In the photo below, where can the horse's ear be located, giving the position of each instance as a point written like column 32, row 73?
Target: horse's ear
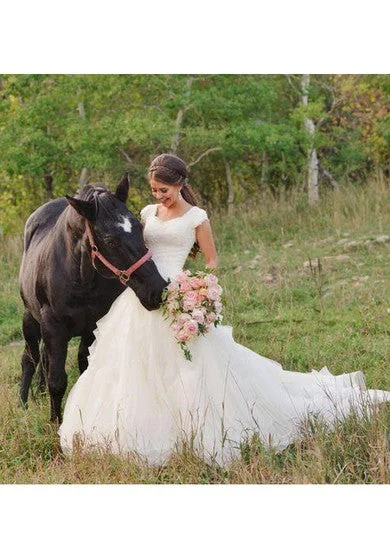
column 122, row 189
column 85, row 208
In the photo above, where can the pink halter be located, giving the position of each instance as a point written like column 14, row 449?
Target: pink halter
column 123, row 275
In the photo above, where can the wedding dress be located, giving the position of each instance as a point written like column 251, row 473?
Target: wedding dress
column 139, row 393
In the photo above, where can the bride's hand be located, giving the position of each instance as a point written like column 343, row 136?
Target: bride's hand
column 212, row 265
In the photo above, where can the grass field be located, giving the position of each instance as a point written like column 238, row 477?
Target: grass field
column 307, row 287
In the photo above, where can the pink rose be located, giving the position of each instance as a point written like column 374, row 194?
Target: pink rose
column 191, row 328
column 198, row 316
column 211, row 279
column 218, row 306
column 172, row 286
column 182, row 336
column 196, row 283
column 181, row 277
column 190, row 300
column 185, row 286
column 211, row 317
column 213, row 293
column 183, row 318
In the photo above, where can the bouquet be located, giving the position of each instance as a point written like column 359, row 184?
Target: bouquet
column 193, row 303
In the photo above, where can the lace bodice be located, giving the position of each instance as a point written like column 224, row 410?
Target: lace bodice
column 170, row 240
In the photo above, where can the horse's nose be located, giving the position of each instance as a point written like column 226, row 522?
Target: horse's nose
column 154, row 299
column 151, row 304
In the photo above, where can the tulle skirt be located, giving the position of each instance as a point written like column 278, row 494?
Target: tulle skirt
column 140, row 395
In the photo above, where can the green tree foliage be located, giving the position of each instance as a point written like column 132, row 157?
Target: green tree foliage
column 54, row 128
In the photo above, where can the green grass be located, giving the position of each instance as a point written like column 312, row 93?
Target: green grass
column 335, row 312
column 11, row 309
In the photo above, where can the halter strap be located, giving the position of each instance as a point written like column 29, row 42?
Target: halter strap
column 123, row 275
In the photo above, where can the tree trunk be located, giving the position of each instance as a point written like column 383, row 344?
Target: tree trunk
column 313, row 177
column 312, row 167
column 180, row 116
column 83, row 177
column 84, row 172
column 48, row 180
column 324, row 173
column 230, row 200
column 264, row 173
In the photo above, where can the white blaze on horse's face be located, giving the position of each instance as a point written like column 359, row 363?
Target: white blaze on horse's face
column 126, row 224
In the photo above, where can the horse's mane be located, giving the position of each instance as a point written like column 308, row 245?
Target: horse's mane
column 92, row 192
column 88, row 192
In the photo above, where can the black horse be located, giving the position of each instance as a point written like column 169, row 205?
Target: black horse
column 63, row 294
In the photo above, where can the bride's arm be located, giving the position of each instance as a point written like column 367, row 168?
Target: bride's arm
column 205, row 240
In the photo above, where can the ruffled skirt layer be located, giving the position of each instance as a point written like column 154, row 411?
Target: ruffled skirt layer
column 139, row 394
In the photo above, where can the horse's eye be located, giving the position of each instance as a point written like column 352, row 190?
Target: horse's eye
column 111, row 242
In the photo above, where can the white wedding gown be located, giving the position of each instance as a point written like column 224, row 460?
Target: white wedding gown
column 139, row 393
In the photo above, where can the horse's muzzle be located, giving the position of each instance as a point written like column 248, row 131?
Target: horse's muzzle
column 151, row 299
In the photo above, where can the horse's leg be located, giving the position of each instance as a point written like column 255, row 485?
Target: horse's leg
column 43, row 370
column 55, row 338
column 30, row 357
column 85, row 342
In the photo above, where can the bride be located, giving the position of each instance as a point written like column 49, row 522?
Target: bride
column 139, row 394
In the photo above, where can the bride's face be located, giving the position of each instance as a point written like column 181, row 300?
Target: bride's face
column 167, row 195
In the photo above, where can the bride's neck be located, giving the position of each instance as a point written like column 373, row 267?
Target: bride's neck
column 176, row 208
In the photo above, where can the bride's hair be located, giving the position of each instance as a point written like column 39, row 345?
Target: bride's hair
column 171, row 170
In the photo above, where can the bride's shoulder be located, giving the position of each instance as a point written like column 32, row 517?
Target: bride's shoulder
column 147, row 211
column 197, row 216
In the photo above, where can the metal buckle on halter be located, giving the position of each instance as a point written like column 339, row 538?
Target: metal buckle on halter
column 124, row 277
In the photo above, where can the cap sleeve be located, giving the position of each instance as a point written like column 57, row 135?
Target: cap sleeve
column 199, row 216
column 146, row 212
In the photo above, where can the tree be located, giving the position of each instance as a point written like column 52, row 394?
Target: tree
column 312, row 166
column 241, row 135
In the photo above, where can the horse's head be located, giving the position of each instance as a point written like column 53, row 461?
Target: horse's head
column 118, row 235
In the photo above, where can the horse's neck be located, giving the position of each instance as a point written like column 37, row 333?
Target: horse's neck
column 87, row 272
column 74, row 237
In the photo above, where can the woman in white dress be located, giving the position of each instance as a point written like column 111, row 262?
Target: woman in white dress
column 139, row 393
